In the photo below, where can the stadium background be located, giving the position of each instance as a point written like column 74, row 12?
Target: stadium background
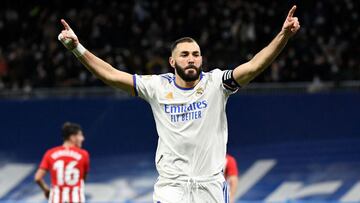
column 295, row 131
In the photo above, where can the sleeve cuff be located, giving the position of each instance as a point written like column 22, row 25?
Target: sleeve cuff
column 134, row 84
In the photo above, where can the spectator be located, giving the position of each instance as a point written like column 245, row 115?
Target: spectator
column 134, row 35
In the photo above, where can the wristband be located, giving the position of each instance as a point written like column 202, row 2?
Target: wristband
column 79, row 50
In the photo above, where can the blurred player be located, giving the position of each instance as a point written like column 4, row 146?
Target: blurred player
column 68, row 166
column 231, row 175
column 189, row 111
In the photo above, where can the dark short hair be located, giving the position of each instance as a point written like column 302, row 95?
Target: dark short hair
column 181, row 40
column 69, row 129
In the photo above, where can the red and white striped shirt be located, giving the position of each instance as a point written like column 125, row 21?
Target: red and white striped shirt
column 67, row 167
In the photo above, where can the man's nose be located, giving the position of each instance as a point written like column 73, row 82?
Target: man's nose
column 191, row 60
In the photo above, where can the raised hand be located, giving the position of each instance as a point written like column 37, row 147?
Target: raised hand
column 67, row 36
column 291, row 24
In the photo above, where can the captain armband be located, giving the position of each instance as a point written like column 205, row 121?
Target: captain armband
column 229, row 82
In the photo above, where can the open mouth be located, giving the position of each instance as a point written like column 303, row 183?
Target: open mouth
column 191, row 68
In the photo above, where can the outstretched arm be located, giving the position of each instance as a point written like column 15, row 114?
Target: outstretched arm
column 246, row 72
column 95, row 65
column 39, row 179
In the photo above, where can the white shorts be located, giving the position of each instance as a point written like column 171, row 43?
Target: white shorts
column 191, row 190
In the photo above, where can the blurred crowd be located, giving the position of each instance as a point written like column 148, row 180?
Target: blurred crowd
column 135, row 36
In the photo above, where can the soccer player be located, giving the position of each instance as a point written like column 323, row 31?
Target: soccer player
column 189, row 112
column 231, row 174
column 68, row 166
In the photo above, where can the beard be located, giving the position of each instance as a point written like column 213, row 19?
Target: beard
column 191, row 75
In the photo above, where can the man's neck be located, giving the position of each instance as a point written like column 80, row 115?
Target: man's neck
column 68, row 144
column 184, row 84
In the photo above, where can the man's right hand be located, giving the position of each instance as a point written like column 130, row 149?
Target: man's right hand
column 68, row 37
column 47, row 193
column 101, row 69
column 291, row 24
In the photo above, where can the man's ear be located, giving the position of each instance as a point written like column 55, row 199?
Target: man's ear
column 172, row 61
column 72, row 138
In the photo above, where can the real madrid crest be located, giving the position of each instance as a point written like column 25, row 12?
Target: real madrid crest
column 199, row 91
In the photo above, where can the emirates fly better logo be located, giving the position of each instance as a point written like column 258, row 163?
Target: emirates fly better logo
column 185, row 112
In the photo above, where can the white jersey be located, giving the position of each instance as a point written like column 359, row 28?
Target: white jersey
column 191, row 123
